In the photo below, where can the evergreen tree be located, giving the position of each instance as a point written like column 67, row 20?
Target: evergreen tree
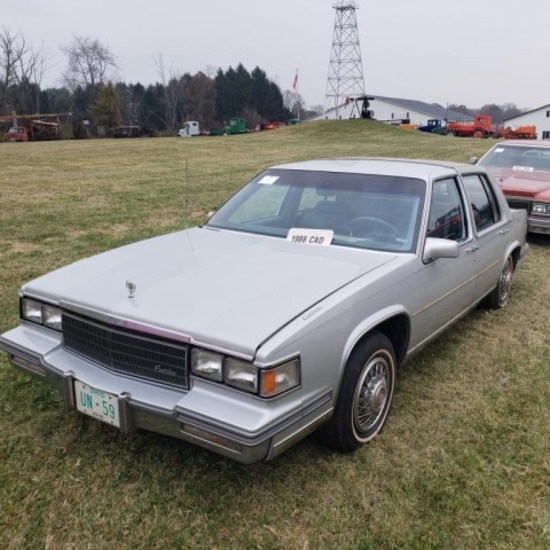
column 154, row 109
column 82, row 99
column 260, row 87
column 106, row 110
column 55, row 100
column 238, row 90
column 201, row 99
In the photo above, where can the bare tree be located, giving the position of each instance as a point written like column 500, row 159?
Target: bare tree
column 13, row 48
column 22, row 69
column 293, row 101
column 89, row 63
column 175, row 92
column 317, row 109
column 252, row 117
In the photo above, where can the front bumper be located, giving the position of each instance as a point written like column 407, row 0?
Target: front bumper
column 228, row 422
column 538, row 225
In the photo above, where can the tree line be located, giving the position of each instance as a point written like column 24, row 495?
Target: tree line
column 90, row 92
column 498, row 113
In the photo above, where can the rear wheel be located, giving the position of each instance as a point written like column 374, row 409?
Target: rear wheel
column 364, row 398
column 498, row 297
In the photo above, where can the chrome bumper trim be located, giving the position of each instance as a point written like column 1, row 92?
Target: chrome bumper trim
column 267, row 443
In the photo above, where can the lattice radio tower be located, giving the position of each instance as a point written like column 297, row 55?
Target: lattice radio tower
column 345, row 73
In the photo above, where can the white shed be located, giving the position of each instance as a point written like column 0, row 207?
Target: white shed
column 540, row 118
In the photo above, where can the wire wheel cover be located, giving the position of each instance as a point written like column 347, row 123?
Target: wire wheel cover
column 505, row 282
column 372, row 393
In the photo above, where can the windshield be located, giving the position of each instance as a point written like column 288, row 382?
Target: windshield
column 528, row 158
column 362, row 211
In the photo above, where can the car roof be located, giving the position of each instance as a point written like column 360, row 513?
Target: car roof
column 526, row 143
column 411, row 168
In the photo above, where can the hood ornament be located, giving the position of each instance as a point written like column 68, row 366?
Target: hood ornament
column 131, row 288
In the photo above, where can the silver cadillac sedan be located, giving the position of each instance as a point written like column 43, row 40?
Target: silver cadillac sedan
column 289, row 312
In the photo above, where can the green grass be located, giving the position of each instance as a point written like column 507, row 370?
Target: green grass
column 463, row 462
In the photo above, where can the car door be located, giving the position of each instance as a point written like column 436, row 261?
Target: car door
column 448, row 284
column 491, row 228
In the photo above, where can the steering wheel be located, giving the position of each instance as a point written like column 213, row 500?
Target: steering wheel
column 361, row 227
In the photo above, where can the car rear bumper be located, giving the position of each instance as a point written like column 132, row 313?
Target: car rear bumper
column 229, row 423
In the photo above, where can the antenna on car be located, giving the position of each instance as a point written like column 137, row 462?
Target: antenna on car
column 186, row 187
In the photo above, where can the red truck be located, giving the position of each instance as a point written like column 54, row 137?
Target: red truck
column 17, row 133
column 480, row 127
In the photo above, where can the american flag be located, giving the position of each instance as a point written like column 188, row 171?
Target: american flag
column 295, row 83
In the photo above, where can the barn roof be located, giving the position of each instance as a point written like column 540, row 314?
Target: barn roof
column 434, row 110
column 542, row 108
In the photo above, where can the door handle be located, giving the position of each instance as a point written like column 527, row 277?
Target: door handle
column 472, row 249
column 503, row 231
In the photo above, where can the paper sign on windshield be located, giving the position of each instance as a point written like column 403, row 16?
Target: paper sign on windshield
column 319, row 237
column 268, row 180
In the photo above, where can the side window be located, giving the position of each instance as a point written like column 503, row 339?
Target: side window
column 447, row 219
column 484, row 204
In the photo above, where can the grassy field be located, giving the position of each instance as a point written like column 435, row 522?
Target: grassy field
column 463, row 462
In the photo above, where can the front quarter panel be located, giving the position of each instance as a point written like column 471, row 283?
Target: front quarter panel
column 324, row 336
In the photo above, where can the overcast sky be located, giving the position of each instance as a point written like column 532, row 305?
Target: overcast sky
column 463, row 51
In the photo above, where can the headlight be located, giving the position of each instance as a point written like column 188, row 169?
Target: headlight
column 241, row 375
column 42, row 314
column 280, row 379
column 207, row 364
column 31, row 310
column 51, row 317
column 541, row 209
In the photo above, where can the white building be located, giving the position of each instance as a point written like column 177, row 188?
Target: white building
column 540, row 118
column 396, row 110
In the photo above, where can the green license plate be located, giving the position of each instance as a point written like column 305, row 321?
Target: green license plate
column 97, row 403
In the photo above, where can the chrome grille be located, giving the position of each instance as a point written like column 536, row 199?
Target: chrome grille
column 126, row 352
column 519, row 204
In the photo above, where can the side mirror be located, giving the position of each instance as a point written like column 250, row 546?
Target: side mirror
column 473, row 160
column 439, row 248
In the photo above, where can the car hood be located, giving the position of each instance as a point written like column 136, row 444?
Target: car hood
column 222, row 288
column 520, row 183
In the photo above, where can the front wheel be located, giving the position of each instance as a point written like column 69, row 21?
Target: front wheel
column 365, row 396
column 498, row 297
